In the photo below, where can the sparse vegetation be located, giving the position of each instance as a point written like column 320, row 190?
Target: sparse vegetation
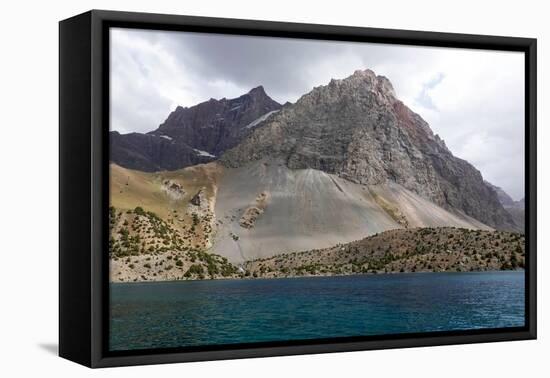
column 144, row 246
column 160, row 249
column 404, row 250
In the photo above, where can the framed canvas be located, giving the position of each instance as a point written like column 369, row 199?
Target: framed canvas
column 235, row 188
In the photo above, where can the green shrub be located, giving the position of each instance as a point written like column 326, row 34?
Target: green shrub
column 139, row 211
column 194, row 269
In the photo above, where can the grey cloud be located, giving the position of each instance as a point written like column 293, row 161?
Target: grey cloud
column 424, row 98
column 279, row 65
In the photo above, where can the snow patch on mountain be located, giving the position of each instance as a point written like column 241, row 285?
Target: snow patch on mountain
column 260, row 119
column 204, row 153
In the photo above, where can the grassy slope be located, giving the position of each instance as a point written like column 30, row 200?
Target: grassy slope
column 130, row 189
column 156, row 232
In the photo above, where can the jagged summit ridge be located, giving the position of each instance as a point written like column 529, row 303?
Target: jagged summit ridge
column 193, row 135
column 216, row 125
column 259, row 90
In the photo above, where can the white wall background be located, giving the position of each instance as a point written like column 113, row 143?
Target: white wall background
column 29, row 189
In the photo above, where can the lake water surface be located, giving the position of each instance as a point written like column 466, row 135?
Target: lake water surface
column 199, row 313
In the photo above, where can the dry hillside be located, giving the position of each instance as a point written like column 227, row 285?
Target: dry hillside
column 403, row 250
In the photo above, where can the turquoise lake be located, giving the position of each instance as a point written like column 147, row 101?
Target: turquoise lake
column 214, row 312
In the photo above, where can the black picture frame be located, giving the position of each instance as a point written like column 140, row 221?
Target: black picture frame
column 83, row 181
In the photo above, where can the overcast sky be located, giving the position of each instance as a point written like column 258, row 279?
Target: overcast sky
column 473, row 99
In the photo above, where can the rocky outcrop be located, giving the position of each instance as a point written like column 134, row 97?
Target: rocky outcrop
column 505, row 199
column 357, row 129
column 251, row 214
column 173, row 190
column 193, row 135
column 198, row 199
column 515, row 208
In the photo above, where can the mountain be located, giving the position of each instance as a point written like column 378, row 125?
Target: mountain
column 515, row 208
column 193, row 135
column 357, row 130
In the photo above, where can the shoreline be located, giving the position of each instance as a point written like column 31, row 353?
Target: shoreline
column 443, row 249
column 313, row 276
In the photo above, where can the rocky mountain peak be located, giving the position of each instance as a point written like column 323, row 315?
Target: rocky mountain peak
column 372, row 81
column 193, row 135
column 357, row 129
column 217, row 125
column 362, row 75
column 360, row 89
column 385, row 85
column 258, row 91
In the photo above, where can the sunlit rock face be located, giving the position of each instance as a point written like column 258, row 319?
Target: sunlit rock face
column 357, row 129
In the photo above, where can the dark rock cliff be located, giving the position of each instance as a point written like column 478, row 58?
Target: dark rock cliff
column 193, row 135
